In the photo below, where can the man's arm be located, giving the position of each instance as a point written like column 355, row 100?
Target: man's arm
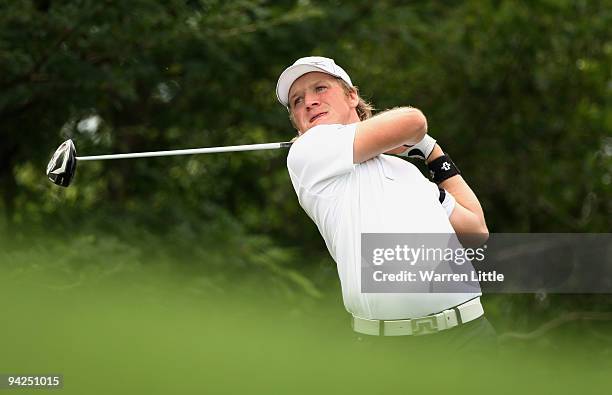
column 467, row 218
column 388, row 130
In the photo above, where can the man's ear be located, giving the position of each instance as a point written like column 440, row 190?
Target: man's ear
column 353, row 98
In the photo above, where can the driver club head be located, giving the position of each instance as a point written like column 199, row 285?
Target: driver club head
column 62, row 166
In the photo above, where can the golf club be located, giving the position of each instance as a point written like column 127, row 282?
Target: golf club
column 62, row 166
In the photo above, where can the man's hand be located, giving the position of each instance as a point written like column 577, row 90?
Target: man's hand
column 420, row 150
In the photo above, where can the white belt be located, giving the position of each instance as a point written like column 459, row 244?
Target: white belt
column 447, row 319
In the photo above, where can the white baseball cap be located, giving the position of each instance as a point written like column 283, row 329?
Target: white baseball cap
column 303, row 66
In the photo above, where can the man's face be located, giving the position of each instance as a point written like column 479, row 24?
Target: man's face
column 319, row 99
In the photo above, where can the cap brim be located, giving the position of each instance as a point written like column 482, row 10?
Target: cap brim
column 288, row 77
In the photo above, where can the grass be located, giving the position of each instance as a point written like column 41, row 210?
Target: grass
column 113, row 319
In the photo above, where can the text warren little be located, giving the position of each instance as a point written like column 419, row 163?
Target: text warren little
column 432, row 276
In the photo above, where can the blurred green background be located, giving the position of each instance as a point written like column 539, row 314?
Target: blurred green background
column 203, row 273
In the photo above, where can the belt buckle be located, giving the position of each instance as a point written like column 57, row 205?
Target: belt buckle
column 424, row 325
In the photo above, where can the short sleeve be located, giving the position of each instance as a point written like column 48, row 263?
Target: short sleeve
column 320, row 156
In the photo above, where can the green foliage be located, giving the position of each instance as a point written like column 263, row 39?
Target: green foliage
column 134, row 327
column 526, row 85
column 215, row 258
column 518, row 93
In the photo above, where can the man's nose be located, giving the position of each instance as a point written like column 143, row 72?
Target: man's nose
column 311, row 100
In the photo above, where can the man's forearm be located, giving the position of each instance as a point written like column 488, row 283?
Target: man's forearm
column 388, row 130
column 460, row 190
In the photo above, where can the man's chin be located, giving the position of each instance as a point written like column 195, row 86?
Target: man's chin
column 320, row 121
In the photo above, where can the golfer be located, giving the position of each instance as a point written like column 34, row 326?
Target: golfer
column 348, row 185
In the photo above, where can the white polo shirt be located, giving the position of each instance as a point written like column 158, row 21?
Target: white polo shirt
column 382, row 195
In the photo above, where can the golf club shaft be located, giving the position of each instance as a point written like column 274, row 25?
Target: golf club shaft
column 209, row 150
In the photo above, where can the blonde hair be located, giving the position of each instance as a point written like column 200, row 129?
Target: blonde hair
column 364, row 108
